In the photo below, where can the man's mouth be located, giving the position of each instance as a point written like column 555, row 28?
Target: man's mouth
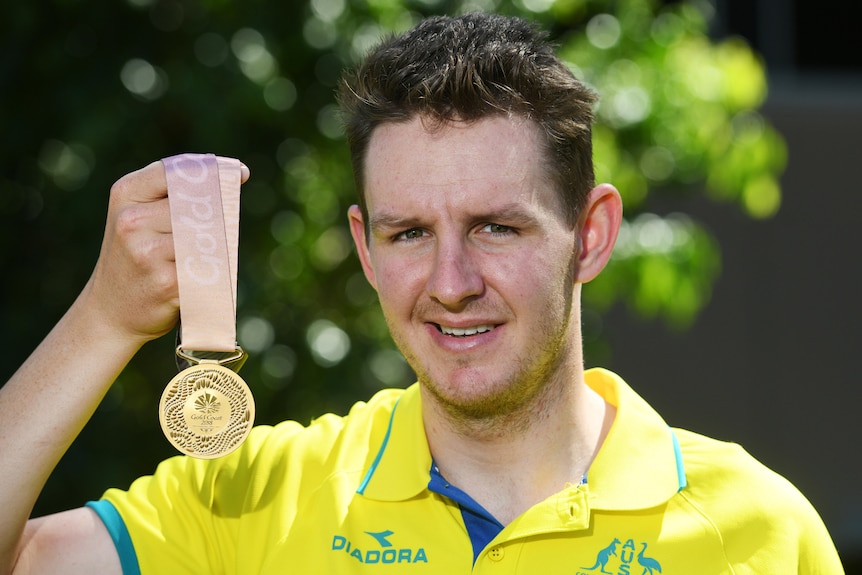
column 465, row 331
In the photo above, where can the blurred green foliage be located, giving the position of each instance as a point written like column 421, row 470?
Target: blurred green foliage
column 92, row 90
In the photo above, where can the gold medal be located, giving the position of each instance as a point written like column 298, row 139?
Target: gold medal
column 206, row 410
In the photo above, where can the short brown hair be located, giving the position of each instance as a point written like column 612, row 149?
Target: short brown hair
column 466, row 68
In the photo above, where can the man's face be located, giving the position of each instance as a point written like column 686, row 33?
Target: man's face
column 472, row 259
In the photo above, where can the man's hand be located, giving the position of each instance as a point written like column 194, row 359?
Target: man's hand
column 131, row 298
column 134, row 285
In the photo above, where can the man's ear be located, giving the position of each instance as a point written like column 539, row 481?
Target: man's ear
column 597, row 230
column 357, row 230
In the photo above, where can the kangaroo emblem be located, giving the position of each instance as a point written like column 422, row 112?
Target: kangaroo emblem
column 604, row 556
column 648, row 563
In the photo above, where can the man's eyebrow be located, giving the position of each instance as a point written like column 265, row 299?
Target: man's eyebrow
column 513, row 214
column 389, row 221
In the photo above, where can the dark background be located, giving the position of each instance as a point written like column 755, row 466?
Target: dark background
column 772, row 362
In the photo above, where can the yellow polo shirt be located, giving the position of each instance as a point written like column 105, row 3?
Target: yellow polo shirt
column 350, row 495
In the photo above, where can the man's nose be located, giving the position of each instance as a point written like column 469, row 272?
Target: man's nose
column 456, row 278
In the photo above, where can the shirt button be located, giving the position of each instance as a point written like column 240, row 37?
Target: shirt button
column 496, row 554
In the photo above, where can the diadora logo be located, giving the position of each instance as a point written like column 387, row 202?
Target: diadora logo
column 620, row 558
column 378, row 549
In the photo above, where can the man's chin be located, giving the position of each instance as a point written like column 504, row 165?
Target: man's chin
column 470, row 398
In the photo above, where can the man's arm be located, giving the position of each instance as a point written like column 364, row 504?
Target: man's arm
column 74, row 541
column 43, row 408
column 131, row 298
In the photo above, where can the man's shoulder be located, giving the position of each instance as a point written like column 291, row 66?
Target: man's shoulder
column 361, row 427
column 716, row 464
column 725, row 481
column 762, row 519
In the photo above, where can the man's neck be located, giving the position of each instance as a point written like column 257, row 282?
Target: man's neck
column 512, row 463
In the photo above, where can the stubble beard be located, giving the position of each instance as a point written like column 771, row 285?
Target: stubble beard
column 511, row 405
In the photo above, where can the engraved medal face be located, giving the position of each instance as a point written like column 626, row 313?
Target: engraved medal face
column 206, row 411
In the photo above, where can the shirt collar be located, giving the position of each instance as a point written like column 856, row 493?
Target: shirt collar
column 638, row 466
column 401, row 467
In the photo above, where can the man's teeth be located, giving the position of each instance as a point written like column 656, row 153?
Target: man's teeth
column 459, row 332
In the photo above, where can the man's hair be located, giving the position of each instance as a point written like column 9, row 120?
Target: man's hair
column 468, row 68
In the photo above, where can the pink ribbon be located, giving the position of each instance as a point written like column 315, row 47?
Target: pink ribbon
column 203, row 193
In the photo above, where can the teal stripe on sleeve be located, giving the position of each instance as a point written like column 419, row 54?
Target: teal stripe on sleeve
column 680, row 468
column 122, row 540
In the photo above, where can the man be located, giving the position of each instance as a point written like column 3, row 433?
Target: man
column 478, row 221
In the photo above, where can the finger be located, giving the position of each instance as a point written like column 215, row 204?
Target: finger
column 152, row 216
column 147, row 184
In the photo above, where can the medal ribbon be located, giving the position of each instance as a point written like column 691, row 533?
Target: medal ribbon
column 203, row 193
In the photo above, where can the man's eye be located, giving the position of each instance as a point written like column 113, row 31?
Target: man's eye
column 497, row 229
column 410, row 234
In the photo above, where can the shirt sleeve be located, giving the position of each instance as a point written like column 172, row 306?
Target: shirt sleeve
column 185, row 519
column 766, row 525
column 119, row 534
column 817, row 552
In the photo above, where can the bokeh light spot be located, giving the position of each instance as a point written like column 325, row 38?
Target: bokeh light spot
column 68, row 165
column 143, row 79
column 211, row 49
column 329, row 343
column 255, row 334
column 280, row 94
column 603, row 31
